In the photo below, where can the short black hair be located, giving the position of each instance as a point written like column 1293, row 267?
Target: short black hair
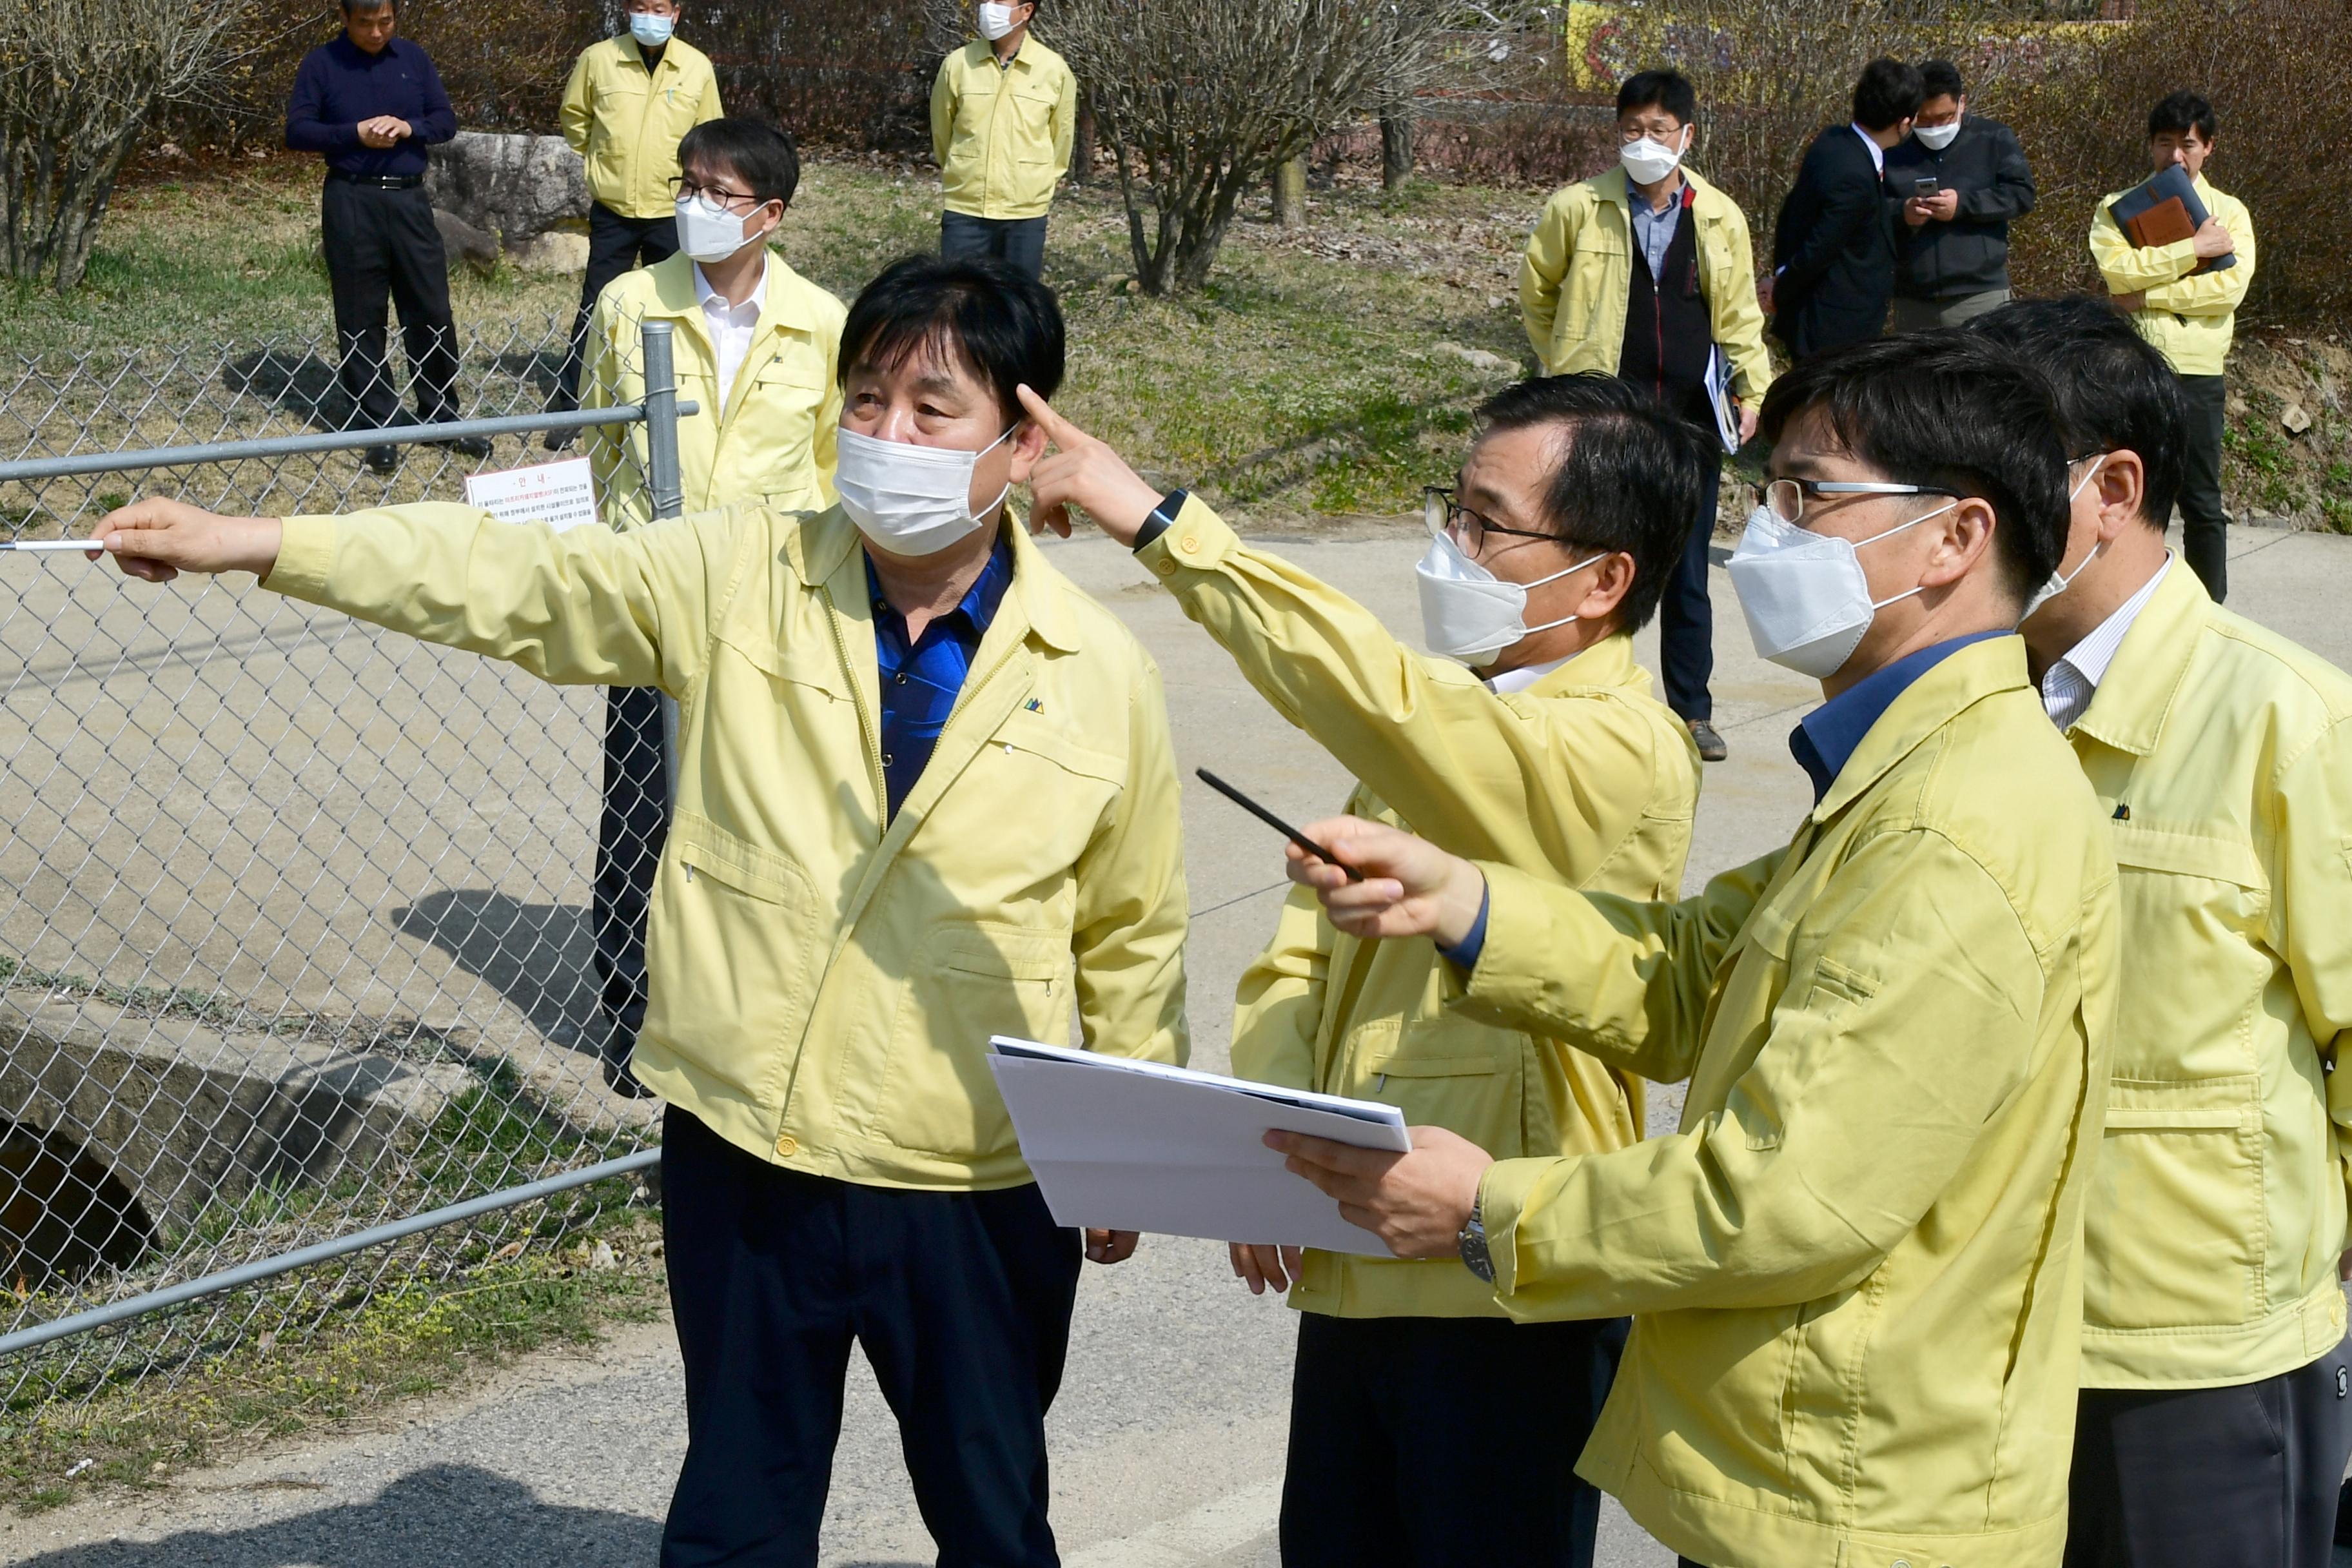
column 369, row 6
column 2180, row 114
column 1940, row 78
column 1887, row 94
column 1667, row 89
column 755, row 151
column 1630, row 476
column 1951, row 410
column 2113, row 390
column 1001, row 324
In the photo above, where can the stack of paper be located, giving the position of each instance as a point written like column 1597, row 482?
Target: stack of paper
column 1129, row 1145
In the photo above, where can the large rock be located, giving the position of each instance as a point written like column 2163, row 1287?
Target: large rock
column 516, row 187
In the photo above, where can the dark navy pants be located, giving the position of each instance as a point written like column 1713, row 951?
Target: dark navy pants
column 1443, row 1442
column 1685, row 617
column 630, row 830
column 1020, row 241
column 961, row 1301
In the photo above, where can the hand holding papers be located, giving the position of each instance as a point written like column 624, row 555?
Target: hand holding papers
column 1129, row 1145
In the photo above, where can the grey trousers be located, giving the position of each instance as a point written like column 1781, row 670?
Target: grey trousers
column 2244, row 1477
column 1926, row 315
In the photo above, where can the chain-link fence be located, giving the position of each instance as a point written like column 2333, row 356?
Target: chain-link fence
column 294, row 937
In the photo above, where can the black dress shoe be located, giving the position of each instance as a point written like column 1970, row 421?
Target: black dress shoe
column 382, row 459
column 1711, row 748
column 558, row 440
column 467, row 446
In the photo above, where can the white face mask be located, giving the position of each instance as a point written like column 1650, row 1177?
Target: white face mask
column 1805, row 595
column 1935, row 138
column 709, row 232
column 651, row 32
column 2059, row 584
column 1647, row 161
column 1468, row 612
column 996, row 20
column 910, row 500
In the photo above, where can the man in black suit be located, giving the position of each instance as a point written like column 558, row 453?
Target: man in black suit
column 1834, row 249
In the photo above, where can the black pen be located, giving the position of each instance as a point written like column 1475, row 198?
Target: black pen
column 1247, row 804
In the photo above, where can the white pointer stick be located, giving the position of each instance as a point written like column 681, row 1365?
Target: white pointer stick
column 53, row 545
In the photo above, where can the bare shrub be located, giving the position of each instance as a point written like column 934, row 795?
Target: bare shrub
column 78, row 81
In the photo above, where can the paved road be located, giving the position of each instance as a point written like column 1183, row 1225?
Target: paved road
column 1171, row 1429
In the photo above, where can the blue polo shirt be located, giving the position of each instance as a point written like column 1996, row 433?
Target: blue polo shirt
column 922, row 682
column 339, row 84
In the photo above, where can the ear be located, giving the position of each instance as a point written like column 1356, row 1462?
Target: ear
column 1964, row 542
column 2123, row 490
column 1606, row 584
column 1028, row 445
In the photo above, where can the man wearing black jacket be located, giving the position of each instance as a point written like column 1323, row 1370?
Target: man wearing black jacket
column 1833, row 247
column 1951, row 248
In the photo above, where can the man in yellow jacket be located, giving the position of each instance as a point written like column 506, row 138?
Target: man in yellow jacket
column 2215, row 1426
column 1646, row 272
column 1410, row 1387
column 2189, row 313
column 1004, row 115
column 1856, row 1273
column 629, row 101
column 868, row 695
column 756, row 347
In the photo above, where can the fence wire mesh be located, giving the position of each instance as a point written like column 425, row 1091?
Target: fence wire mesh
column 294, row 932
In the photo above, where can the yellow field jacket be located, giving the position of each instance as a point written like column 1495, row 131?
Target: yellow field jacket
column 1583, row 777
column 1002, row 136
column 2223, row 755
column 626, row 121
column 825, row 980
column 2190, row 319
column 1857, row 1269
column 1577, row 274
column 772, row 442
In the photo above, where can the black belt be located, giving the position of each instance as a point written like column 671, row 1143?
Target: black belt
column 379, row 182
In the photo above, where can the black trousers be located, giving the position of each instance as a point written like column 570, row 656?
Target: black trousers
column 1020, row 241
column 961, row 1300
column 615, row 244
column 2204, row 525
column 2212, row 1478
column 630, row 830
column 1437, row 1442
column 381, row 248
column 1685, row 617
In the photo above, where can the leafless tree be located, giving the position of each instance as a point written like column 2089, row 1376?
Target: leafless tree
column 78, row 81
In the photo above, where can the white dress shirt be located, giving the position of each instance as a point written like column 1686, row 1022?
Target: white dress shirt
column 1877, row 154
column 731, row 326
column 2068, row 686
column 1526, row 675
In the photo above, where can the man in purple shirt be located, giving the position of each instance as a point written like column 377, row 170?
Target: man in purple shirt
column 372, row 103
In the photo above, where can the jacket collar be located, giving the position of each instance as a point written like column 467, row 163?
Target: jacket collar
column 1702, row 199
column 1960, row 681
column 783, row 306
column 1609, row 662
column 2129, row 709
column 825, row 549
column 628, row 42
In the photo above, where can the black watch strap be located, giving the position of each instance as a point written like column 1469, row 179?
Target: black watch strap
column 1161, row 516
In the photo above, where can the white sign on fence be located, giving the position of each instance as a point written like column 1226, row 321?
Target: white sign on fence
column 560, row 494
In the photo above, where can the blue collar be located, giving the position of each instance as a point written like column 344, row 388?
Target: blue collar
column 978, row 604
column 1824, row 741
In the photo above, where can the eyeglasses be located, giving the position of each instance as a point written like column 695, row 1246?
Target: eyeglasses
column 684, row 189
column 1442, row 512
column 1787, row 497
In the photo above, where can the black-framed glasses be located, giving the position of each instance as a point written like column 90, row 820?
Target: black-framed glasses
column 1787, row 497
column 683, row 188
column 1442, row 512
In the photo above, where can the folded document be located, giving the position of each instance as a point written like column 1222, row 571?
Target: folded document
column 1129, row 1145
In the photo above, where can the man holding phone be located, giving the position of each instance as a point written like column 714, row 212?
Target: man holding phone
column 1532, row 731
column 1954, row 182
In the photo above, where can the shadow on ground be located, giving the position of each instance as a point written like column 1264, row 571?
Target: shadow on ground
column 453, row 1514
column 540, row 957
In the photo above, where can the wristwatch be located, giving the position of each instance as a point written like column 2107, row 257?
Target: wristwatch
column 1161, row 516
column 1472, row 1243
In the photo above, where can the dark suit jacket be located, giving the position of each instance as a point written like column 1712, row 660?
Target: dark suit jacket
column 1834, row 249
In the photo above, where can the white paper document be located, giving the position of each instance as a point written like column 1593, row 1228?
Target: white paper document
column 1127, row 1145
column 560, row 494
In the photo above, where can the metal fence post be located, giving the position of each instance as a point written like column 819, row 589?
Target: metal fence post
column 667, row 487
